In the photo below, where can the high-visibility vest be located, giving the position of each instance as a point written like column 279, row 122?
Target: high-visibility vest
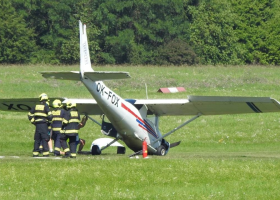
column 58, row 115
column 40, row 114
column 71, row 122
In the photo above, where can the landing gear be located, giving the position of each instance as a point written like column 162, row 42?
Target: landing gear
column 95, row 150
column 161, row 151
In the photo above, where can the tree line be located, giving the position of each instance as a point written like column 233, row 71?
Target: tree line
column 158, row 32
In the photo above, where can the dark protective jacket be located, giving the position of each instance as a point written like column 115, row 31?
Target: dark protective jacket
column 71, row 122
column 58, row 115
column 41, row 113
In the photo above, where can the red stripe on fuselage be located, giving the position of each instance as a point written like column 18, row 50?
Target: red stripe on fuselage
column 131, row 112
column 137, row 117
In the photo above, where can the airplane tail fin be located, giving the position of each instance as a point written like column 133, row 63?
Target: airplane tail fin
column 85, row 63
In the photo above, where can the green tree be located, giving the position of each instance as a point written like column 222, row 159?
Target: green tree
column 177, row 52
column 132, row 31
column 56, row 26
column 16, row 40
column 257, row 28
column 212, row 33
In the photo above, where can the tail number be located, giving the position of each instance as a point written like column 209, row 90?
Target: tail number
column 19, row 107
column 112, row 97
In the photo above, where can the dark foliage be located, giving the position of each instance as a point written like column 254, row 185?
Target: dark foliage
column 177, row 52
column 141, row 31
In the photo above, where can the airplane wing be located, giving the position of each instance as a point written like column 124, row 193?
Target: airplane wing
column 205, row 105
column 85, row 106
column 21, row 105
column 209, row 105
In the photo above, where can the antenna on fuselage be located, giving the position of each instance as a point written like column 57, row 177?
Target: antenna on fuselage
column 146, row 91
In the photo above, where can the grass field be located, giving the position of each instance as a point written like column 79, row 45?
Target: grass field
column 220, row 157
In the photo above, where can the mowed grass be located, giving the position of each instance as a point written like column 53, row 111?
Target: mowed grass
column 220, row 157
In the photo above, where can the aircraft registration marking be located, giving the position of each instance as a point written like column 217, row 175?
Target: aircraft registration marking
column 17, row 107
column 111, row 96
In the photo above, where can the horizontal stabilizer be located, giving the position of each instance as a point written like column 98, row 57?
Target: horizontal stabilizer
column 99, row 76
column 73, row 75
column 94, row 76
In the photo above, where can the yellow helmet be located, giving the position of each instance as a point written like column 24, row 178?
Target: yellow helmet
column 57, row 103
column 43, row 97
column 70, row 104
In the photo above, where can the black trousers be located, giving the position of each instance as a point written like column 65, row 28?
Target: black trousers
column 57, row 144
column 41, row 134
column 72, row 143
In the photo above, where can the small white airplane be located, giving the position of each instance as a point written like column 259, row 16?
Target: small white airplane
column 136, row 120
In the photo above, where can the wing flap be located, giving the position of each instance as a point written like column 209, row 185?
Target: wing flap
column 210, row 105
column 87, row 106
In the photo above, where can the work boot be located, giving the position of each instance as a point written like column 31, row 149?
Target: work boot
column 46, row 155
column 66, row 156
column 72, row 156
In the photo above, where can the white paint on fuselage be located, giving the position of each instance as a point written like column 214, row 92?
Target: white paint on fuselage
column 121, row 113
column 124, row 120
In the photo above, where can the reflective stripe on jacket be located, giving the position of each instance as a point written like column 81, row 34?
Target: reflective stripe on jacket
column 40, row 114
column 71, row 122
column 58, row 115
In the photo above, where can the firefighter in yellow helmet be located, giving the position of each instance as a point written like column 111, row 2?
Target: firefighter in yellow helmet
column 49, row 133
column 70, row 125
column 50, row 144
column 40, row 115
column 58, row 115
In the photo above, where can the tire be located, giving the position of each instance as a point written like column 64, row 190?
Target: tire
column 161, row 151
column 95, row 150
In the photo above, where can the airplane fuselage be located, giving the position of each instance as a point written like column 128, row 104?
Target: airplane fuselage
column 125, row 117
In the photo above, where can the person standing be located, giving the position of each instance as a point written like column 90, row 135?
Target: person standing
column 58, row 115
column 40, row 115
column 70, row 125
column 50, row 144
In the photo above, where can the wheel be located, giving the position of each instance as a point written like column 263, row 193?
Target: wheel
column 95, row 150
column 161, row 151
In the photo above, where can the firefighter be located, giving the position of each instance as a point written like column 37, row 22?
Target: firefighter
column 50, row 144
column 70, row 125
column 40, row 115
column 58, row 115
column 49, row 133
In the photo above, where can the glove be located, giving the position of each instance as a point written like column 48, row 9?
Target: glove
column 84, row 121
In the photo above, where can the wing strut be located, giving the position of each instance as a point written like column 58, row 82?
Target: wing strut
column 177, row 128
column 109, row 144
column 94, row 120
